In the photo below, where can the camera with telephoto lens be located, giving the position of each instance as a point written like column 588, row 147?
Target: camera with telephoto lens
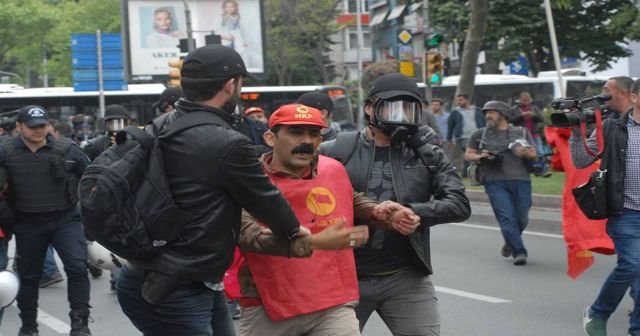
column 574, row 110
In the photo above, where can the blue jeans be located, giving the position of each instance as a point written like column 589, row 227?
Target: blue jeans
column 34, row 233
column 511, row 201
column 186, row 311
column 624, row 230
column 221, row 321
column 50, row 266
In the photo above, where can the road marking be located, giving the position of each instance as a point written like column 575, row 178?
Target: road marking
column 50, row 321
column 493, row 228
column 469, row 295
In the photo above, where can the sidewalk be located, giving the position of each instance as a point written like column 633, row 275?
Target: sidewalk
column 545, row 214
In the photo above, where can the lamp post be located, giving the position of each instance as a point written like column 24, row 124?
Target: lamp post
column 187, row 13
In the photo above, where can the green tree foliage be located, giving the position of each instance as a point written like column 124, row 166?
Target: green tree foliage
column 298, row 39
column 33, row 30
column 595, row 30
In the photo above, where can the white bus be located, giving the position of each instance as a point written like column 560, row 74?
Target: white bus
column 507, row 88
column 63, row 102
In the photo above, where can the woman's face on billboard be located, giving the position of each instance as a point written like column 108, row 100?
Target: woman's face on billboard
column 162, row 20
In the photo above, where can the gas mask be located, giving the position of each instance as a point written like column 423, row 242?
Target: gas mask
column 113, row 126
column 397, row 117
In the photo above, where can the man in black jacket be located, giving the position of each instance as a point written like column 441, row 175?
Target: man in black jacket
column 620, row 160
column 394, row 266
column 213, row 173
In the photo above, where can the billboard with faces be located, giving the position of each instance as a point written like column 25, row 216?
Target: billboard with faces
column 153, row 29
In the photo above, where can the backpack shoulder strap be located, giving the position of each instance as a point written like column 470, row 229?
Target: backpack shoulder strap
column 482, row 137
column 344, row 145
column 190, row 120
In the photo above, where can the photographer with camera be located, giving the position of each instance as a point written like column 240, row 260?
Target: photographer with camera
column 503, row 151
column 621, row 154
column 619, row 88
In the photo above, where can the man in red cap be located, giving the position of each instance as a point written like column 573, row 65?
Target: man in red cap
column 314, row 295
column 256, row 113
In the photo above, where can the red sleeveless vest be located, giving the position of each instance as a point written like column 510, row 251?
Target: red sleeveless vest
column 290, row 287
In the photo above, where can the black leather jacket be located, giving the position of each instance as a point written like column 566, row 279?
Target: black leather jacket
column 434, row 192
column 213, row 173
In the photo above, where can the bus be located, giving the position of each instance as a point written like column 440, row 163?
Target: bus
column 64, row 102
column 269, row 98
column 507, row 88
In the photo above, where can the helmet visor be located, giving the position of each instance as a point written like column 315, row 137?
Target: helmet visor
column 398, row 111
column 114, row 124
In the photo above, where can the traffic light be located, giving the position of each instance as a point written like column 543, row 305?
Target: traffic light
column 433, row 41
column 174, row 72
column 434, row 68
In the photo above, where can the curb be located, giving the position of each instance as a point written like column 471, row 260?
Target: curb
column 545, row 214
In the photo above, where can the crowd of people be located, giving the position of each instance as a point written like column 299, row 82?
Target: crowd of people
column 323, row 227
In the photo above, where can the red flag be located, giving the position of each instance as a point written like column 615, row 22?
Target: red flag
column 582, row 235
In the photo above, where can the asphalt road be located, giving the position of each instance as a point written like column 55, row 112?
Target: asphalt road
column 480, row 292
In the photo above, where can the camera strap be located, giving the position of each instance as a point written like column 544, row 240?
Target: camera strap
column 599, row 134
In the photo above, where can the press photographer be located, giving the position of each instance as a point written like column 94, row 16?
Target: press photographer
column 617, row 181
column 502, row 152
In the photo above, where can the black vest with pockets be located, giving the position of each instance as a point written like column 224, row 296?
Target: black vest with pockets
column 38, row 182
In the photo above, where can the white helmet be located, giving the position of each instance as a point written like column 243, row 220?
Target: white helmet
column 9, row 286
column 100, row 257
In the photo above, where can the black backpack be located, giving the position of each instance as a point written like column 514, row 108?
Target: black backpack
column 125, row 199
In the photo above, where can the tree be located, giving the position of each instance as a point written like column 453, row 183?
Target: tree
column 33, row 30
column 298, row 39
column 595, row 31
column 472, row 43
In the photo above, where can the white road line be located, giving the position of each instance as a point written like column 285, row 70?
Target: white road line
column 469, row 295
column 493, row 228
column 51, row 322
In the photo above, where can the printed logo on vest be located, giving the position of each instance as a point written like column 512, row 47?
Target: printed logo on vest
column 321, row 201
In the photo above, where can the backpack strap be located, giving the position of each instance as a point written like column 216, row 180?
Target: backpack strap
column 343, row 146
column 190, row 120
column 143, row 138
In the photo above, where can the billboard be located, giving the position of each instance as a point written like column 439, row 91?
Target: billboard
column 153, row 29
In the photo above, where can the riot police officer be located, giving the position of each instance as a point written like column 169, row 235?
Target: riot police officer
column 42, row 174
column 115, row 119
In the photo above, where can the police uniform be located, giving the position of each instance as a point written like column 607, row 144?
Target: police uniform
column 42, row 186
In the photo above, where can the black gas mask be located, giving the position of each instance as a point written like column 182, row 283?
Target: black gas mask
column 397, row 117
column 113, row 126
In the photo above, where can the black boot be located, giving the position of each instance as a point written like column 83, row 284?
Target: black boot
column 28, row 331
column 79, row 325
column 29, row 324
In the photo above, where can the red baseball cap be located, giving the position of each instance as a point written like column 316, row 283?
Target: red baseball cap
column 296, row 114
column 253, row 109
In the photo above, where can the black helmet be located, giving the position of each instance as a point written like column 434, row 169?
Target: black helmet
column 397, row 106
column 496, row 105
column 115, row 111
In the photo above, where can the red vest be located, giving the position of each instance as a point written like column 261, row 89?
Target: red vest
column 290, row 287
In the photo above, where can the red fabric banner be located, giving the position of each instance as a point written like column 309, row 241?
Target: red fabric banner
column 582, row 235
